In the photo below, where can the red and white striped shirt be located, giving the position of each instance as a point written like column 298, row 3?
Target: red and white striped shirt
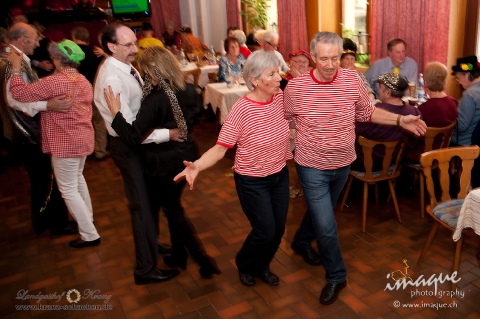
column 325, row 115
column 67, row 134
column 261, row 134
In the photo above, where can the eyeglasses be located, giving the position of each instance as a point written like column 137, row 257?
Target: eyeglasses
column 128, row 45
column 273, row 45
column 34, row 39
column 301, row 61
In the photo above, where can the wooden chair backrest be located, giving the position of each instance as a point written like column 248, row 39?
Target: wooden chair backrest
column 367, row 148
column 441, row 159
column 212, row 77
column 432, row 132
column 196, row 75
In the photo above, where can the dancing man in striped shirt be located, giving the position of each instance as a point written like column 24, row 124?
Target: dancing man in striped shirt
column 324, row 105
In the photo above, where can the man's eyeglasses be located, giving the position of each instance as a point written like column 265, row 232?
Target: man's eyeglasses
column 301, row 61
column 273, row 45
column 128, row 45
column 36, row 39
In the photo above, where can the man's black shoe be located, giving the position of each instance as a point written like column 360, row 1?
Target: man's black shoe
column 81, row 243
column 247, row 280
column 159, row 275
column 269, row 278
column 310, row 256
column 330, row 292
column 70, row 229
column 164, row 248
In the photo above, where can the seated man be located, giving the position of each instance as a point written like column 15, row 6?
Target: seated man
column 390, row 90
column 396, row 62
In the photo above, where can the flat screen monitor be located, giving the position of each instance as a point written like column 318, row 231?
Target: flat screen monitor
column 131, row 8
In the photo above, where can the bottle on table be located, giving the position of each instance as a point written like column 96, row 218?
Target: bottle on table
column 420, row 89
column 213, row 59
column 228, row 77
column 183, row 60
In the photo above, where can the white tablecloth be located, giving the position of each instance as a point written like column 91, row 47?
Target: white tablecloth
column 469, row 214
column 223, row 98
column 203, row 79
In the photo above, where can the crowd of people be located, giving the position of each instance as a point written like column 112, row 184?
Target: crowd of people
column 56, row 122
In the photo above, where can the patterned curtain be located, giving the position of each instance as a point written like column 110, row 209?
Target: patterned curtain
column 422, row 24
column 292, row 26
column 233, row 14
column 163, row 11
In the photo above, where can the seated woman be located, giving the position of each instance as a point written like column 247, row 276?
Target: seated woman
column 168, row 102
column 232, row 62
column 68, row 137
column 348, row 59
column 391, row 89
column 244, row 50
column 439, row 110
column 299, row 64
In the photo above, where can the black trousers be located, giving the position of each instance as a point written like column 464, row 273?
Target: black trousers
column 143, row 222
column 54, row 215
column 165, row 193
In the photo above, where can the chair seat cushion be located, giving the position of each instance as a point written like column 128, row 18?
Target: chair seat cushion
column 448, row 212
column 375, row 174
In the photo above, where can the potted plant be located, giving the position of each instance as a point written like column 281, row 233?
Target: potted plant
column 256, row 13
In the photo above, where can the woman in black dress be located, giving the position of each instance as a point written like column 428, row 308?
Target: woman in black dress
column 168, row 102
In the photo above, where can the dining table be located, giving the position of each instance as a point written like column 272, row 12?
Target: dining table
column 204, row 70
column 222, row 98
column 469, row 216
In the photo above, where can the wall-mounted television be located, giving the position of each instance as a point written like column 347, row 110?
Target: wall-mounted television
column 131, row 9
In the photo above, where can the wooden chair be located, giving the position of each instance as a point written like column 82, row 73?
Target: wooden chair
column 212, row 77
column 388, row 173
column 196, row 75
column 445, row 212
column 430, row 135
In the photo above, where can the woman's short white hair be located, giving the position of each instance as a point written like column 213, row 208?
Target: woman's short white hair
column 259, row 35
column 240, row 35
column 258, row 62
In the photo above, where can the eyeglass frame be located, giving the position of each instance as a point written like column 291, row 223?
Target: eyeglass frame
column 273, row 45
column 128, row 45
column 36, row 39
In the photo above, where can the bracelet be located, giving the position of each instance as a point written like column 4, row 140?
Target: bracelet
column 398, row 119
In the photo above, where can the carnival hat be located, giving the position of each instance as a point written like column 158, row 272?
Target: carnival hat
column 393, row 81
column 466, row 64
column 297, row 53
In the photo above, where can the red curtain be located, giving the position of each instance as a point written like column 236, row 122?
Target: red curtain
column 163, row 11
column 292, row 26
column 233, row 14
column 422, row 24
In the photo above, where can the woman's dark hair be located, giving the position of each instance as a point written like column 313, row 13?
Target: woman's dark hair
column 232, row 28
column 349, row 47
column 109, row 35
column 227, row 42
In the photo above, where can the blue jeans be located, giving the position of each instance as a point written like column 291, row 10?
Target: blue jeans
column 264, row 201
column 322, row 189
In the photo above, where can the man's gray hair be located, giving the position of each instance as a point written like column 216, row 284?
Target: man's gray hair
column 327, row 38
column 240, row 35
column 17, row 31
column 258, row 62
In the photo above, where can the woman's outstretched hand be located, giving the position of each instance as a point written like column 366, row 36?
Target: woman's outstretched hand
column 113, row 101
column 190, row 173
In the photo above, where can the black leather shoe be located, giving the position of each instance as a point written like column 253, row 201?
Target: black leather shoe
column 269, row 278
column 247, row 280
column 164, row 248
column 330, row 292
column 310, row 256
column 159, row 275
column 70, row 229
column 81, row 243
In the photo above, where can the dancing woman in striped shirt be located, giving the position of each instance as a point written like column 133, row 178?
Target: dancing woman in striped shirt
column 256, row 124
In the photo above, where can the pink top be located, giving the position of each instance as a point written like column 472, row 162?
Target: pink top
column 67, row 134
column 261, row 134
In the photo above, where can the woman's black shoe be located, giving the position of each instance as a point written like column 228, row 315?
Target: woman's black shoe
column 81, row 243
column 269, row 278
column 209, row 267
column 247, row 280
column 176, row 260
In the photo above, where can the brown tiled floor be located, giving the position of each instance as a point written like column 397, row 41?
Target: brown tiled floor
column 46, row 265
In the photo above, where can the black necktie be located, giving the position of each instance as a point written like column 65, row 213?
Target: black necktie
column 135, row 75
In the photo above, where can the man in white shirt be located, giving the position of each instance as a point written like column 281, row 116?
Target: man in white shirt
column 21, row 127
column 119, row 42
